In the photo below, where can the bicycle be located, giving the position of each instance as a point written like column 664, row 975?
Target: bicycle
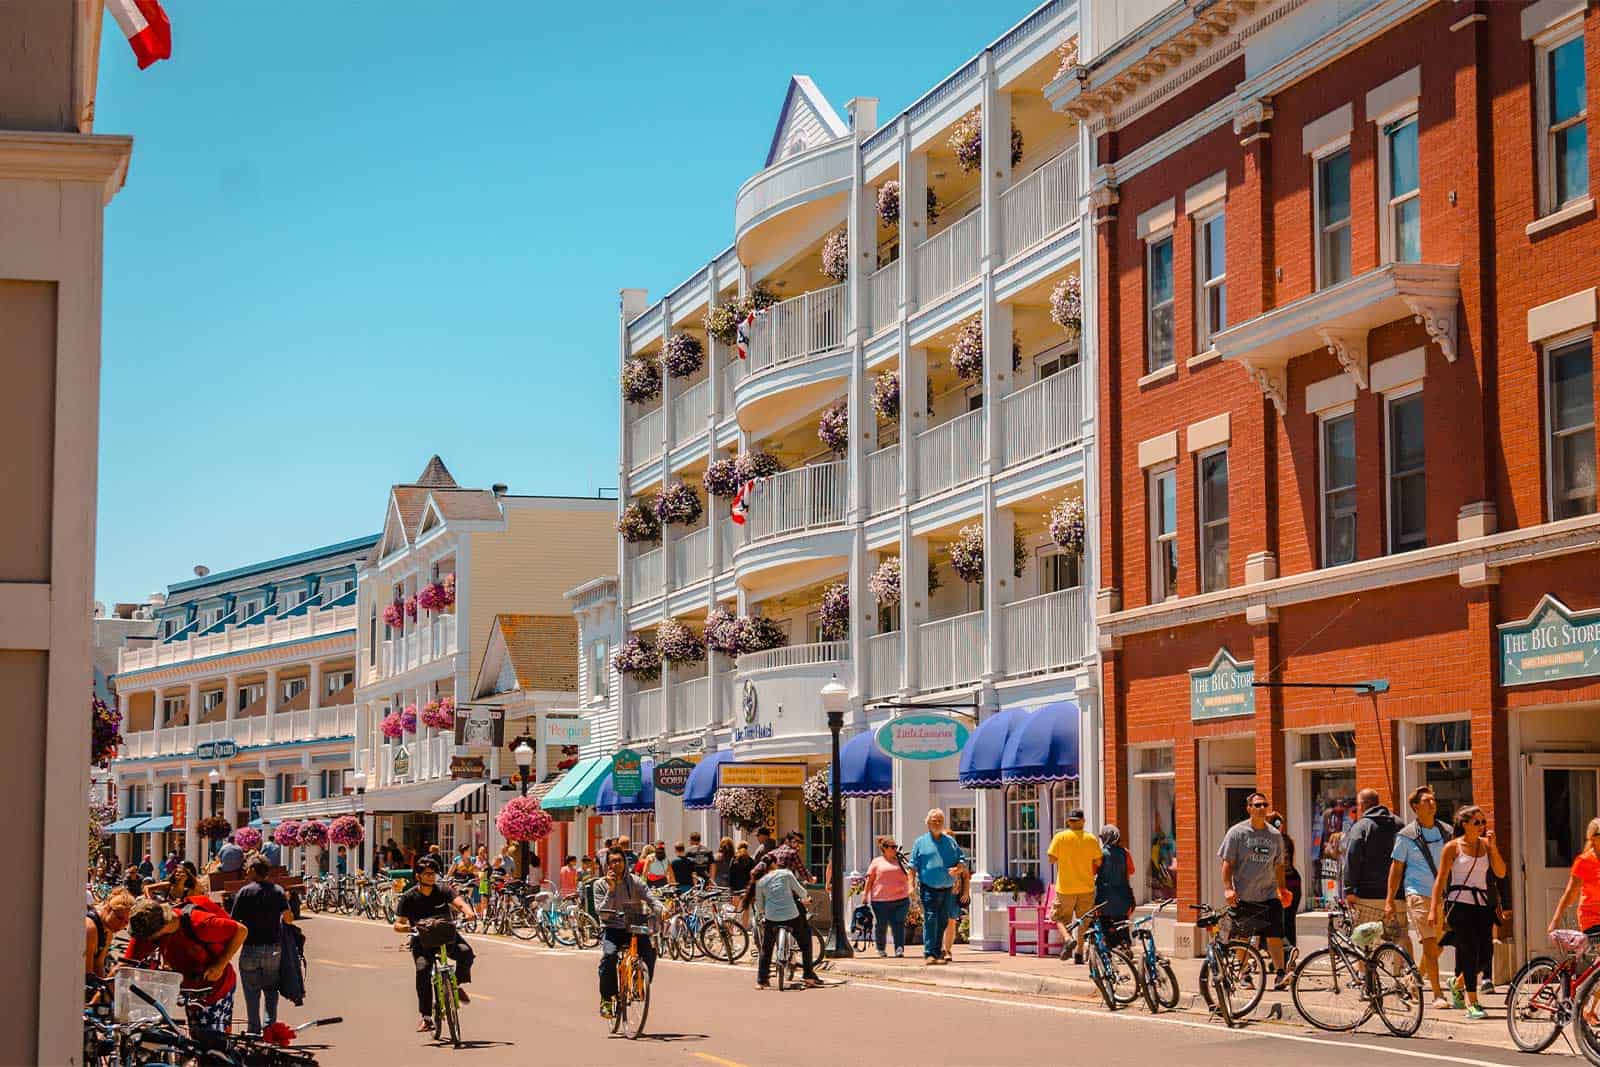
column 632, row 1004
column 1541, row 999
column 446, row 991
column 1232, row 972
column 1157, row 981
column 1111, row 967
column 1340, row 987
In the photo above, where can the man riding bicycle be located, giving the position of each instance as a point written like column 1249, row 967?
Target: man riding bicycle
column 623, row 900
column 428, row 899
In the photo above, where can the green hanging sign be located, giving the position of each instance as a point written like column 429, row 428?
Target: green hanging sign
column 1222, row 688
column 627, row 773
column 1552, row 644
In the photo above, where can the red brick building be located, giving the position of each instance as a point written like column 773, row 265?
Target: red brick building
column 1345, row 263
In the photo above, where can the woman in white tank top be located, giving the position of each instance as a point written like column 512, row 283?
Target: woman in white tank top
column 1462, row 897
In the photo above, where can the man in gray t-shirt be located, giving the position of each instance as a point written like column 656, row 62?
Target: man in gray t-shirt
column 1252, row 878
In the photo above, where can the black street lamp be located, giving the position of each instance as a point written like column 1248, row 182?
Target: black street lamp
column 835, row 698
column 524, row 756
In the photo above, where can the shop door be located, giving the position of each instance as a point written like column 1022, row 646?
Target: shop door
column 1561, row 793
column 1225, row 805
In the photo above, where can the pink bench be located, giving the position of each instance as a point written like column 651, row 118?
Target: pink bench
column 1021, row 918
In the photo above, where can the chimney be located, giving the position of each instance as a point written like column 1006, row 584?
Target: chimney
column 157, row 600
column 201, row 570
column 633, row 302
column 863, row 112
column 498, row 489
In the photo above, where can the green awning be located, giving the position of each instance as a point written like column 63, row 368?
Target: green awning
column 579, row 786
column 126, row 825
column 160, row 824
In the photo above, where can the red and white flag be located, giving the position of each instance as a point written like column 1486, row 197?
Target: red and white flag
column 742, row 335
column 741, row 502
column 145, row 26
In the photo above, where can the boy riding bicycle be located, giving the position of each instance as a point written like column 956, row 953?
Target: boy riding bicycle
column 623, row 900
column 428, row 899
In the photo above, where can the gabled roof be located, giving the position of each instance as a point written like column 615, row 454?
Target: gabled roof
column 435, row 475
column 807, row 120
column 542, row 651
column 465, row 503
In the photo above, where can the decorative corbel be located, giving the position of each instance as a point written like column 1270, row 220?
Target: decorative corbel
column 1438, row 316
column 1252, row 115
column 1350, row 346
column 1273, row 382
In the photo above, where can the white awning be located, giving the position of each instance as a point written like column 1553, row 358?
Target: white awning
column 465, row 799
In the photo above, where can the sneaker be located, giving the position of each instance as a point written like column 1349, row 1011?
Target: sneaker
column 608, row 1008
column 1474, row 1012
column 461, row 995
column 1066, row 953
column 882, row 954
column 1077, row 958
column 1458, row 998
column 899, row 953
column 1440, row 1004
column 1486, row 986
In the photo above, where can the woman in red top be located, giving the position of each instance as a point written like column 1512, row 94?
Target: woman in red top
column 1583, row 886
column 198, row 941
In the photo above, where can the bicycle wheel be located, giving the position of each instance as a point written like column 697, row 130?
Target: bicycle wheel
column 638, row 1001
column 1104, row 982
column 452, row 1012
column 1144, row 942
column 1127, row 980
column 523, row 923
column 724, row 941
column 785, row 951
column 545, row 927
column 1533, row 1004
column 1215, row 988
column 1249, row 984
column 1329, row 992
column 586, row 929
column 819, row 950
column 1166, row 984
column 1396, row 990
column 1586, row 1004
column 565, row 929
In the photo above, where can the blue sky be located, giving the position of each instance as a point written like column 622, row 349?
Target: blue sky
column 357, row 233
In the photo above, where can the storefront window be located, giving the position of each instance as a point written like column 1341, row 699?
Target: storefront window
column 1156, row 817
column 1022, row 831
column 819, row 843
column 1569, row 804
column 962, row 822
column 882, row 819
column 1443, row 762
column 1064, row 796
column 1327, row 763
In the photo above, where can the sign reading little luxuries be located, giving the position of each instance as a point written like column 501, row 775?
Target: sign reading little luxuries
column 1222, row 688
column 627, row 773
column 1553, row 643
column 672, row 776
column 922, row 737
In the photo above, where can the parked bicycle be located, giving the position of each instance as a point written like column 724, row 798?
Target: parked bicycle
column 1233, row 975
column 1157, row 981
column 1340, row 987
column 1543, row 996
column 1111, row 965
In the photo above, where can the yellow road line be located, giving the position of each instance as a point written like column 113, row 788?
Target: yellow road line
column 709, row 1058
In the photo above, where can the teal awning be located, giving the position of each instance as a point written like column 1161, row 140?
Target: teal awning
column 580, row 786
column 125, row 825
column 158, row 825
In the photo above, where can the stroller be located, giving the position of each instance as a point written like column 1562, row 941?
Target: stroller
column 861, row 927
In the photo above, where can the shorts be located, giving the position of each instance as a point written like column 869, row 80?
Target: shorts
column 1395, row 927
column 1416, row 911
column 1069, row 906
column 1258, row 918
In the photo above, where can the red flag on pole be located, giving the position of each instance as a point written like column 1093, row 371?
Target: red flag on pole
column 741, row 502
column 145, row 26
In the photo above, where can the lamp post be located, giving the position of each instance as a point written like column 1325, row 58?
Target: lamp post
column 524, row 757
column 213, row 776
column 835, row 697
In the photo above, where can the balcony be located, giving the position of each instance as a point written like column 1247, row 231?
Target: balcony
column 1045, row 633
column 948, row 260
column 950, row 652
column 421, row 646
column 822, row 652
column 1040, row 204
column 646, row 719
column 647, row 575
column 645, row 438
column 1043, row 417
column 949, row 454
column 815, row 174
column 883, row 297
column 316, row 622
column 798, row 328
column 803, row 499
column 689, row 704
column 883, row 480
column 690, row 409
column 1339, row 317
column 883, row 665
column 781, row 709
column 691, row 557
column 429, row 759
column 246, row 733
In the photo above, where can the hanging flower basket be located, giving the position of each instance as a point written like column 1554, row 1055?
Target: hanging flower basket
column 722, row 477
column 408, row 719
column 1066, row 306
column 287, row 833
column 107, row 734
column 966, row 355
column 641, row 379
column 637, row 657
column 678, row 505
column 836, row 612
column 438, row 596
column 679, row 644
column 757, row 633
column 390, row 726
column 884, row 582
column 817, row 792
column 966, row 553
column 638, row 523
column 682, row 355
column 722, row 323
column 394, row 615
column 836, row 255
column 1066, row 525
column 760, row 298
column 934, row 584
column 758, row 465
column 967, row 141
column 746, row 808
column 886, row 395
column 411, row 608
column 440, row 714
column 214, row 827
column 889, row 204
column 450, row 589
column 833, row 429
column 722, row 632
column 314, row 832
column 523, row 819
column 1019, row 553
column 247, row 838
column 345, row 830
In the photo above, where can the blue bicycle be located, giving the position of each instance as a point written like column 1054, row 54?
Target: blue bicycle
column 1111, row 965
column 1157, row 981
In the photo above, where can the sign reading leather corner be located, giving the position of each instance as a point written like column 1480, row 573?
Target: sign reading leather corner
column 762, row 775
column 1222, row 688
column 672, row 776
column 1553, row 643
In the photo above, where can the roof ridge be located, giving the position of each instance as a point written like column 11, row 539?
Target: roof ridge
column 436, row 475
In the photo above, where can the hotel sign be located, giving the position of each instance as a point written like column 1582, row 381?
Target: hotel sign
column 762, row 775
column 224, row 749
column 1552, row 644
column 1222, row 688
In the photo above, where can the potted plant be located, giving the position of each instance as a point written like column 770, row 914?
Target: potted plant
column 677, row 505
column 833, row 429
column 757, row 633
column 641, row 379
column 886, row 395
column 313, row 833
column 287, row 833
column 637, row 657
column 408, row 719
column 1066, row 525
column 1066, row 306
column 817, row 793
column 967, row 141
column 411, row 608
column 214, row 828
column 722, row 477
column 889, row 204
column 638, row 523
column 746, row 808
column 248, row 838
column 524, row 819
column 679, row 644
column 836, row 255
column 966, row 553
column 966, row 354
column 884, row 582
column 682, row 355
column 440, row 714
column 390, row 727
column 394, row 615
column 836, row 611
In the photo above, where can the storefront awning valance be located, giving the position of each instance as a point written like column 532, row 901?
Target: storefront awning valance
column 702, row 784
column 865, row 770
column 980, row 760
column 579, row 787
column 158, row 825
column 260, row 824
column 1043, row 745
column 609, row 803
column 125, row 825
column 465, row 799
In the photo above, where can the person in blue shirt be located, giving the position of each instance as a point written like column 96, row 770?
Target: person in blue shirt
column 1414, row 864
column 936, row 860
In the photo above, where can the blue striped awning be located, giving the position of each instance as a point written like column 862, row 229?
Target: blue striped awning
column 1043, row 746
column 981, row 759
column 158, row 825
column 702, row 784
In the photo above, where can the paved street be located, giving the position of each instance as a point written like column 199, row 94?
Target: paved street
column 531, row 1004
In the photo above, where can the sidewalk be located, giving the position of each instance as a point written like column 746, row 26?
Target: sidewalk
column 997, row 972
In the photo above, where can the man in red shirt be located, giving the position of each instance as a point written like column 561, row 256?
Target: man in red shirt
column 198, row 941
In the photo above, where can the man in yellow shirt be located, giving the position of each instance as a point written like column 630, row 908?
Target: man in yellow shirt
column 1076, row 854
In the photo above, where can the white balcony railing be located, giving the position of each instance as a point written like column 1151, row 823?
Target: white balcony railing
column 646, row 719
column 950, row 651
column 1040, row 204
column 801, row 499
column 949, row 259
column 691, row 557
column 799, row 327
column 647, row 575
column 794, row 656
column 644, row 438
column 883, row 296
column 315, row 622
column 690, row 409
column 883, row 664
column 950, row 454
column 1044, row 633
column 444, row 636
column 306, row 725
column 883, row 480
column 413, row 647
column 1043, row 417
column 731, row 534
column 690, row 700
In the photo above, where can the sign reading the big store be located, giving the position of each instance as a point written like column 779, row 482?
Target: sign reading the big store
column 1222, row 688
column 1553, row 643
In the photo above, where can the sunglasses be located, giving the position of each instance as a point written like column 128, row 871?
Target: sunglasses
column 1257, row 804
column 1477, row 822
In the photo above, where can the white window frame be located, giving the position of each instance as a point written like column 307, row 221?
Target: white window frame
column 293, row 687
column 1550, row 348
column 1159, row 593
column 1204, row 286
column 1319, row 232
column 337, row 680
column 1323, row 491
column 1388, row 231
column 1389, row 473
column 881, row 819
column 1151, row 243
column 1053, row 551
column 1017, row 838
column 1544, row 46
column 1206, row 523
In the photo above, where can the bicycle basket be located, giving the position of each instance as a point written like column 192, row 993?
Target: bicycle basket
column 1570, row 942
column 1366, row 935
column 432, row 934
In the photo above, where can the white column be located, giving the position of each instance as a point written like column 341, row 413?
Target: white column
column 192, row 708
column 191, row 817
column 272, row 697
column 996, row 119
column 859, row 848
column 314, row 683
column 999, row 580
column 913, row 602
column 913, row 220
column 230, row 700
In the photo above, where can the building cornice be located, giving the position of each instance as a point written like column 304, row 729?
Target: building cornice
column 96, row 159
